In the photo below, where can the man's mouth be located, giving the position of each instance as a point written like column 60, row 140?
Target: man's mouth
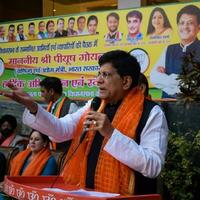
column 102, row 89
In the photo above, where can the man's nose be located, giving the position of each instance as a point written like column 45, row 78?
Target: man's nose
column 99, row 80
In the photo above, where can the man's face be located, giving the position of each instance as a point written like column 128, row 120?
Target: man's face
column 41, row 27
column 81, row 24
column 46, row 94
column 110, row 84
column 133, row 25
column 188, row 28
column 112, row 24
column 21, row 29
column 92, row 27
column 2, row 32
column 71, row 24
column 32, row 29
column 60, row 25
column 11, row 31
column 6, row 129
column 50, row 28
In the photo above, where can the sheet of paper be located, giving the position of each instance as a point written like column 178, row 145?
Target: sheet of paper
column 83, row 192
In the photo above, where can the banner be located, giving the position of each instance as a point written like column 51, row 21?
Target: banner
column 69, row 46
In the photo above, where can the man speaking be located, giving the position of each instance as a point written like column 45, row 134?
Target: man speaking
column 125, row 146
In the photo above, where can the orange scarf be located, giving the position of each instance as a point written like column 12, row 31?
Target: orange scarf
column 8, row 140
column 57, row 114
column 58, row 111
column 36, row 165
column 110, row 175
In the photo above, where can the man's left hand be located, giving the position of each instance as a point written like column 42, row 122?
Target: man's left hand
column 100, row 122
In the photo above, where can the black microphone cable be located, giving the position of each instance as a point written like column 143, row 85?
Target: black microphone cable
column 65, row 162
column 94, row 106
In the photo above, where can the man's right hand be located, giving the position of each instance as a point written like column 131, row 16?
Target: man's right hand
column 161, row 69
column 21, row 97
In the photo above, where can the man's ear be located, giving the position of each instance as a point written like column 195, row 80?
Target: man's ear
column 127, row 81
column 143, row 88
column 51, row 91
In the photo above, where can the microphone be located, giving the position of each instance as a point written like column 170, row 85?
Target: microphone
column 94, row 106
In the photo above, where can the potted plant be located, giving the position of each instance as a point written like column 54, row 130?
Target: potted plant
column 189, row 80
column 181, row 173
column 184, row 115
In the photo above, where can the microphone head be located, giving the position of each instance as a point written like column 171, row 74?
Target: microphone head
column 95, row 103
